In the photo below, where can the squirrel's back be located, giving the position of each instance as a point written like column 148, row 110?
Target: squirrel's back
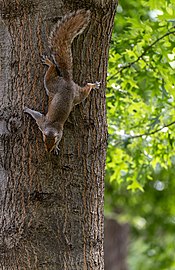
column 61, row 39
column 62, row 102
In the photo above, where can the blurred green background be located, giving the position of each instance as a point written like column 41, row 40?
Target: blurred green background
column 140, row 174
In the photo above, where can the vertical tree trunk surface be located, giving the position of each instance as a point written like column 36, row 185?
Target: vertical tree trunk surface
column 51, row 207
column 116, row 245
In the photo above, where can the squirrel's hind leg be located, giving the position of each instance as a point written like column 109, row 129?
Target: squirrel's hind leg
column 83, row 92
column 88, row 87
column 51, row 73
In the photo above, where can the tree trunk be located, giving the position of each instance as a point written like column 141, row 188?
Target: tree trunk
column 51, row 206
column 116, row 245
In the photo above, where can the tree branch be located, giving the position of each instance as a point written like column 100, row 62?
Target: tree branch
column 151, row 133
column 143, row 54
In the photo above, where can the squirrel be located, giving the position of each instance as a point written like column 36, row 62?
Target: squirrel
column 62, row 91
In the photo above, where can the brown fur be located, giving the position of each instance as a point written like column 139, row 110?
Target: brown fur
column 62, row 91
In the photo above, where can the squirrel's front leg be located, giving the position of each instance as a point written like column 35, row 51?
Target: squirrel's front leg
column 35, row 114
column 39, row 117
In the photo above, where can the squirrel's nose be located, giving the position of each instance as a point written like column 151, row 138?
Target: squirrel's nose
column 49, row 147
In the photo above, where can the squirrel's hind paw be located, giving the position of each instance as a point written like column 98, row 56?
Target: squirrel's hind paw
column 97, row 85
column 94, row 85
column 45, row 60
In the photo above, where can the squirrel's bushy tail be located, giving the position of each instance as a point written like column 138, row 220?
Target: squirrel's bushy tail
column 62, row 36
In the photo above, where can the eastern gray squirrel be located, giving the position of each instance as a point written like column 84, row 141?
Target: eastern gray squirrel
column 62, row 91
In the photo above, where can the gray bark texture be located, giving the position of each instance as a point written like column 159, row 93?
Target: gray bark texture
column 116, row 245
column 51, row 207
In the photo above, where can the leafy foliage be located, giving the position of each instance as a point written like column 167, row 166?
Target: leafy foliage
column 141, row 91
column 140, row 177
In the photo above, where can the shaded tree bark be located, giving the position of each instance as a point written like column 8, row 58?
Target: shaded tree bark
column 51, row 207
column 116, row 245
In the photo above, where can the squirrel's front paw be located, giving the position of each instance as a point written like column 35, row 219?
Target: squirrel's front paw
column 25, row 109
column 56, row 151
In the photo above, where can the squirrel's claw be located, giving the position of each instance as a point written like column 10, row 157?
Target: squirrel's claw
column 97, row 84
column 56, row 150
column 94, row 85
column 45, row 60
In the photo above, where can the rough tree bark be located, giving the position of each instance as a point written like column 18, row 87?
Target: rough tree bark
column 51, row 207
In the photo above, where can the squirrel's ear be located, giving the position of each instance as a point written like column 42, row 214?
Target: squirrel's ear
column 36, row 115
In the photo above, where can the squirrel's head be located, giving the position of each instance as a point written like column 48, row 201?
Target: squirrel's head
column 52, row 132
column 51, row 138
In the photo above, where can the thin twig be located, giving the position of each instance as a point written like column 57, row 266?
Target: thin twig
column 151, row 133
